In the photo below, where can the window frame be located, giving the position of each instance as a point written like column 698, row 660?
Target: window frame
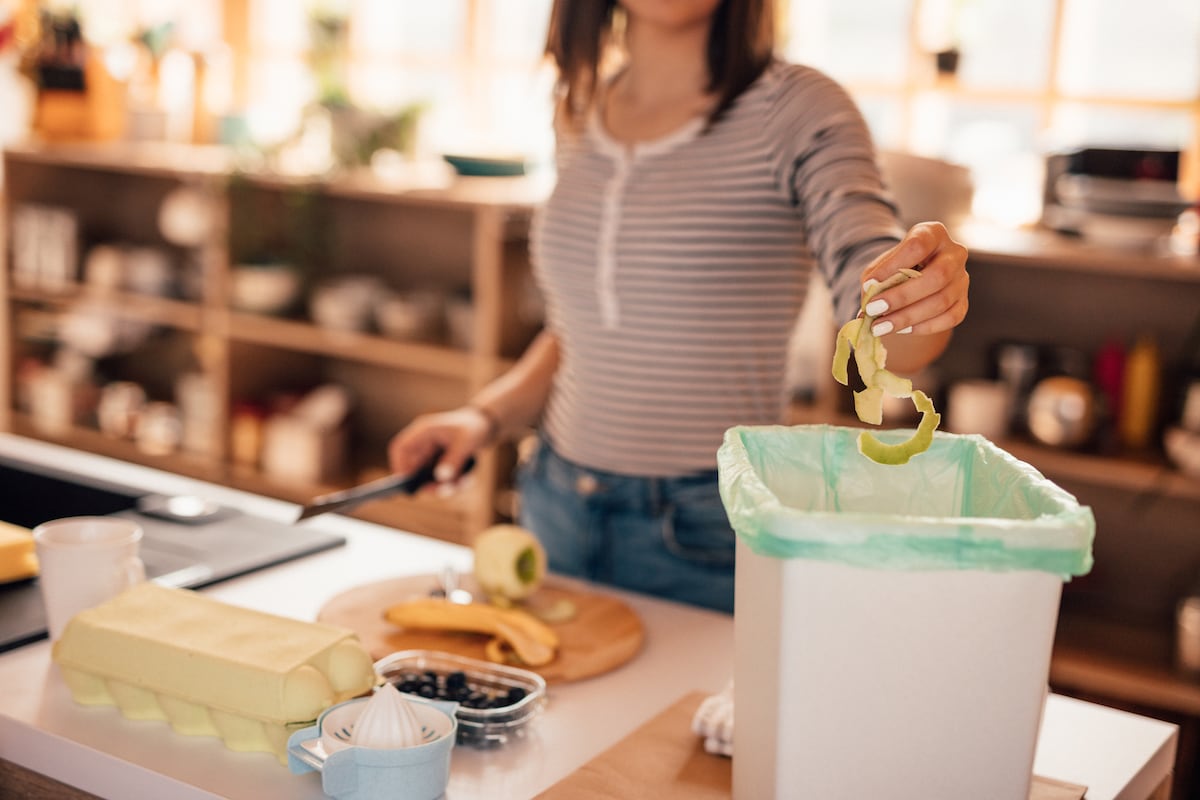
column 472, row 62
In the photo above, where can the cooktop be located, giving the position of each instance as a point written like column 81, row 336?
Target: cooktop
column 178, row 550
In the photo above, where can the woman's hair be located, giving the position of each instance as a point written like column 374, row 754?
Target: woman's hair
column 740, row 45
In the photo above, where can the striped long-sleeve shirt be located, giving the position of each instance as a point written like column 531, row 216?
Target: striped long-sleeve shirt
column 673, row 270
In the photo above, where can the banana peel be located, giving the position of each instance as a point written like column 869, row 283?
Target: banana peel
column 529, row 639
column 870, row 357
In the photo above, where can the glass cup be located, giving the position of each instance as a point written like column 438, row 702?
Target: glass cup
column 84, row 561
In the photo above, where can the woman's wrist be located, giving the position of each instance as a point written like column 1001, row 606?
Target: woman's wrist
column 494, row 426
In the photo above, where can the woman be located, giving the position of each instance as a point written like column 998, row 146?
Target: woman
column 698, row 186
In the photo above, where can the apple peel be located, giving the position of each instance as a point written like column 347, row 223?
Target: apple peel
column 901, row 452
column 870, row 356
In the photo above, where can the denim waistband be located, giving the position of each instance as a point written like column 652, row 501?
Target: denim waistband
column 615, row 489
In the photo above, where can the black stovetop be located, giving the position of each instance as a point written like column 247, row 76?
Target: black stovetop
column 189, row 554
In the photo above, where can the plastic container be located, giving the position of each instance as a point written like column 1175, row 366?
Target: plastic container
column 893, row 624
column 478, row 727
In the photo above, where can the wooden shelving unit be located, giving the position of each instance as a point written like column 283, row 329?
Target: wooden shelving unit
column 465, row 237
column 1131, row 473
column 122, row 305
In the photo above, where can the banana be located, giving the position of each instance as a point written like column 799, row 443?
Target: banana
column 530, row 639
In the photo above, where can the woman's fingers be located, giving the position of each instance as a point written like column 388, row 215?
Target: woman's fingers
column 938, row 300
column 450, row 436
column 940, row 311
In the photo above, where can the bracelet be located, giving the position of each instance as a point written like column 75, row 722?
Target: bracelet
column 493, row 421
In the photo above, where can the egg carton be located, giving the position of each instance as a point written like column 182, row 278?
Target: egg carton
column 208, row 668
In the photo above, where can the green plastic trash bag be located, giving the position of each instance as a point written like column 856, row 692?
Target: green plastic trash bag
column 807, row 492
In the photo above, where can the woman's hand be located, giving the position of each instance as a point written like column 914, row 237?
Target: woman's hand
column 935, row 303
column 928, row 308
column 457, row 434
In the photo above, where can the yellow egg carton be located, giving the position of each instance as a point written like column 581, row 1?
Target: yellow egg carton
column 18, row 559
column 210, row 668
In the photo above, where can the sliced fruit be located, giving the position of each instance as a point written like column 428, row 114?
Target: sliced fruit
column 510, row 563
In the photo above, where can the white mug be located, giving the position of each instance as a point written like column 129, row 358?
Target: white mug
column 84, row 561
column 979, row 406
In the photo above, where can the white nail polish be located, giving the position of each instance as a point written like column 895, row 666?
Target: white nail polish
column 443, row 473
column 905, row 329
column 877, row 307
column 868, row 283
column 882, row 328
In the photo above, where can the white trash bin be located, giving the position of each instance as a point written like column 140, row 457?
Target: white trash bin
column 893, row 624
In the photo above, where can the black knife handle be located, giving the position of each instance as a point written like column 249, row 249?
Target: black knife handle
column 425, row 473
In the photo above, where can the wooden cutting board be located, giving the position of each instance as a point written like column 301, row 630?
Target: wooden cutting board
column 603, row 634
column 664, row 760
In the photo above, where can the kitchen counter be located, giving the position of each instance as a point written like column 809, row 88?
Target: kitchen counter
column 1119, row 756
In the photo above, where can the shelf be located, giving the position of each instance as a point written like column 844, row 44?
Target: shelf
column 179, row 314
column 1042, row 249
column 517, row 195
column 1150, row 476
column 1142, row 475
column 1128, row 663
column 150, row 159
column 414, row 226
column 93, row 441
column 364, row 348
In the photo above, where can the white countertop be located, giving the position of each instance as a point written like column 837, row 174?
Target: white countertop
column 1119, row 756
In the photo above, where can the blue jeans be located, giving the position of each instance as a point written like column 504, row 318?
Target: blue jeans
column 663, row 536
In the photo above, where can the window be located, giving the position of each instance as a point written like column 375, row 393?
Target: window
column 1032, row 76
column 474, row 65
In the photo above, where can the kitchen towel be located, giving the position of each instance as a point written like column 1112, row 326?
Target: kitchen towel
column 713, row 720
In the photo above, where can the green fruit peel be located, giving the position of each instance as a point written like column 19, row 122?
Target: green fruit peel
column 870, row 356
column 901, row 452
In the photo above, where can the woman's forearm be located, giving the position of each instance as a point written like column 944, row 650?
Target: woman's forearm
column 908, row 354
column 515, row 399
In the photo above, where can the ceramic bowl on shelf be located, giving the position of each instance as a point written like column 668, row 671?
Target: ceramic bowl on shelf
column 417, row 316
column 264, row 288
column 346, row 303
column 487, row 166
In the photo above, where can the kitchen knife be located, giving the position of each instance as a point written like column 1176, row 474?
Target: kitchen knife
column 372, row 490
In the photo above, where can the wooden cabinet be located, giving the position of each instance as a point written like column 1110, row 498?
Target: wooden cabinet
column 462, row 241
